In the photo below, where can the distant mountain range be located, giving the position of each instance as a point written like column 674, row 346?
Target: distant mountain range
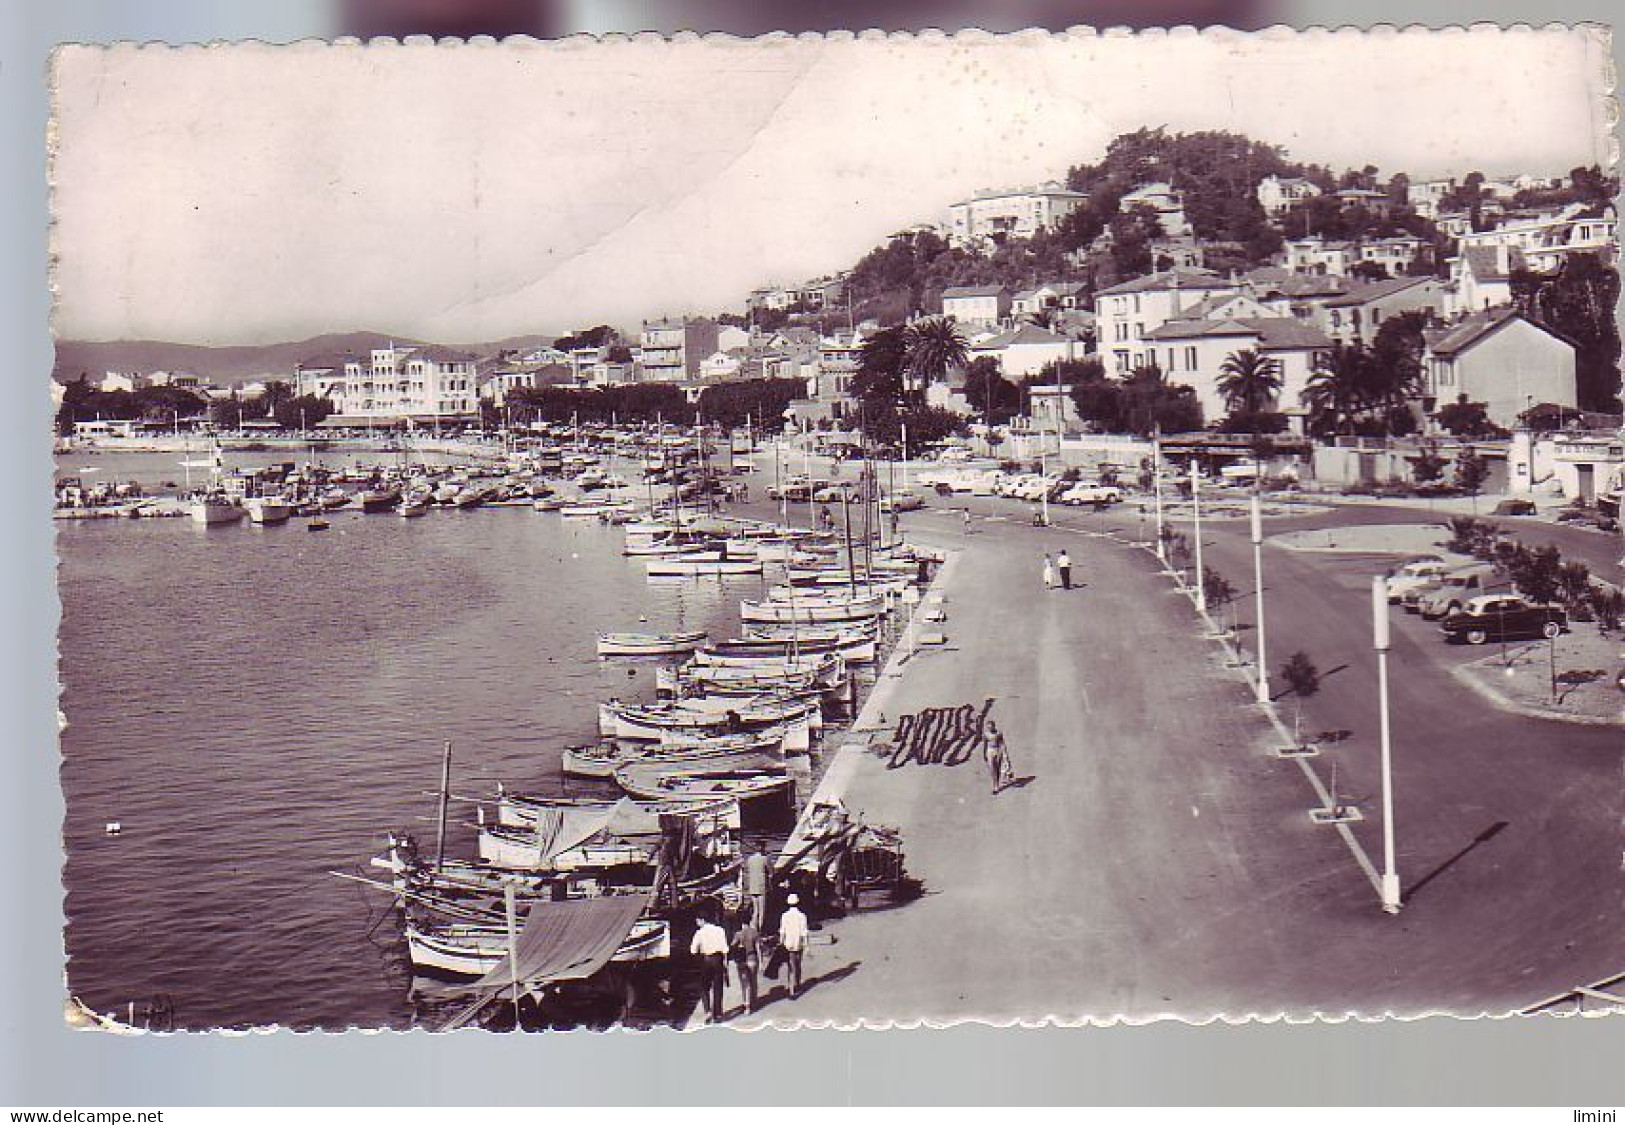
column 239, row 363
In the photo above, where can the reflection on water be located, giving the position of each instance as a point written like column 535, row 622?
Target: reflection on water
column 257, row 706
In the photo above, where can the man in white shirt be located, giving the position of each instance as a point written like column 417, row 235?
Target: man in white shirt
column 793, row 940
column 710, row 945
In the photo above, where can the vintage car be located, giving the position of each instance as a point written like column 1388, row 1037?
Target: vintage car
column 1503, row 617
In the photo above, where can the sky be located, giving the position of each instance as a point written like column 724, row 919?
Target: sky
column 463, row 193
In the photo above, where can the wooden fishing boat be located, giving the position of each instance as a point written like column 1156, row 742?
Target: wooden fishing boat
column 652, row 783
column 810, row 610
column 602, row 761
column 520, row 810
column 649, row 644
column 856, row 647
column 652, row 723
column 548, row 504
column 470, row 951
column 824, row 673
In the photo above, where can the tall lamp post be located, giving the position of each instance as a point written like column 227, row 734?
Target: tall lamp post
column 1156, row 491
column 1196, row 532
column 1380, row 640
column 1258, row 586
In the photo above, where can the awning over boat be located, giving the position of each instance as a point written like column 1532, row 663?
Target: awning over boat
column 558, row 829
column 569, row 940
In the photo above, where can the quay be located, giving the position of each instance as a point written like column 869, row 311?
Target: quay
column 1155, row 858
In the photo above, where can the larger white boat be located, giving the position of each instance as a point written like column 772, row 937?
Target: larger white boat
column 214, row 510
column 267, row 509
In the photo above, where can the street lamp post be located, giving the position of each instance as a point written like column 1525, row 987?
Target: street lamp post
column 1380, row 641
column 1156, row 490
column 1258, row 585
column 1196, row 532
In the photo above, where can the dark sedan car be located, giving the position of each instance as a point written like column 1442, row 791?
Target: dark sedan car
column 1499, row 617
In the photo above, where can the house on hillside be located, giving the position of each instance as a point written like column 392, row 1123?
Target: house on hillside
column 1048, row 297
column 1166, row 200
column 1193, row 352
column 1425, row 196
column 1355, row 317
column 1279, row 194
column 1500, row 358
column 1393, row 254
column 1320, row 257
column 1365, row 198
column 985, row 306
column 1481, row 278
column 1296, row 295
column 993, row 217
column 1128, row 312
column 1025, row 349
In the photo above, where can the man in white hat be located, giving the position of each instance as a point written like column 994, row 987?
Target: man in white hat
column 793, row 940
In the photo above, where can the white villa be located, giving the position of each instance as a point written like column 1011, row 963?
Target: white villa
column 994, row 216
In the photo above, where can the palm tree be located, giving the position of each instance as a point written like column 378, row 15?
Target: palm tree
column 1335, row 393
column 1249, row 382
column 934, row 347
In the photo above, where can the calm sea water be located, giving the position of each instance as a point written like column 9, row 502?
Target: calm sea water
column 258, row 706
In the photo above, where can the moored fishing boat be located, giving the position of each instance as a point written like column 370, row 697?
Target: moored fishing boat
column 616, row 814
column 653, row 783
column 649, row 644
column 471, row 950
column 811, row 610
column 415, row 505
column 855, row 647
column 602, row 760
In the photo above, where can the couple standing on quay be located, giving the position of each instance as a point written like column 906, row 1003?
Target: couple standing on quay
column 1058, row 570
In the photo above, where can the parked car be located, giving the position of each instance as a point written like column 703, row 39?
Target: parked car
column 1503, row 617
column 834, row 493
column 903, row 500
column 1097, row 494
column 1455, row 590
column 1413, row 575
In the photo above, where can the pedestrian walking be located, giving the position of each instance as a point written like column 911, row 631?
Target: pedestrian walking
column 793, row 940
column 1049, row 572
column 1063, row 566
column 745, row 952
column 894, row 525
column 710, row 945
column 753, row 878
column 967, row 521
column 997, row 756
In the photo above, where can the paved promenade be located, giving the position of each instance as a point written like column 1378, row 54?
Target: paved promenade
column 1160, row 861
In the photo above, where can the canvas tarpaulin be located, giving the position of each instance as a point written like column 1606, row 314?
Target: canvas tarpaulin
column 568, row 940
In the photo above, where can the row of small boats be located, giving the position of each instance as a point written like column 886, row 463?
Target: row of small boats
column 728, row 717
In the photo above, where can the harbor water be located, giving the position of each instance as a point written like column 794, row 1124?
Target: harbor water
column 257, row 706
